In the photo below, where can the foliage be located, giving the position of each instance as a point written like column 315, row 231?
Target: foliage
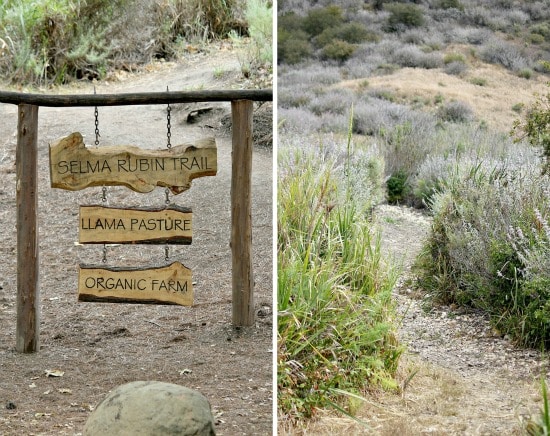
column 490, row 247
column 404, row 15
column 337, row 51
column 335, row 334
column 398, row 187
column 541, row 426
column 55, row 41
column 320, row 19
column 353, row 33
column 259, row 51
column 536, row 128
column 456, row 112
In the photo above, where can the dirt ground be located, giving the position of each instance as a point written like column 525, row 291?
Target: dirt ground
column 96, row 347
column 457, row 376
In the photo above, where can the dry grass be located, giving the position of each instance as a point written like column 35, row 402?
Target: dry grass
column 492, row 103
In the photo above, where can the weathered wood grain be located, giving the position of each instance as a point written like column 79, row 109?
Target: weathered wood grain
column 73, row 166
column 146, row 225
column 170, row 284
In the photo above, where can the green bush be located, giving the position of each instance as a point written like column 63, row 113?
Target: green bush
column 450, row 4
column 398, row 187
column 54, row 41
column 293, row 47
column 454, row 57
column 403, row 16
column 490, row 248
column 319, row 19
column 354, row 33
column 536, row 128
column 337, row 51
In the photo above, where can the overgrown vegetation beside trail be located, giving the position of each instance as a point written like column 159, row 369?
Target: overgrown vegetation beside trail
column 55, row 41
column 336, row 316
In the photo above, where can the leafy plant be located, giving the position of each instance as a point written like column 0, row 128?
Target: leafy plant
column 536, row 128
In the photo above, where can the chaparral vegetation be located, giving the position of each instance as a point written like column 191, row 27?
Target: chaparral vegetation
column 402, row 102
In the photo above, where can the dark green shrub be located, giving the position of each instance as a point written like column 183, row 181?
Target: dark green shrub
column 293, row 47
column 317, row 20
column 398, row 187
column 354, row 33
column 337, row 51
column 290, row 22
column 450, row 4
column 403, row 16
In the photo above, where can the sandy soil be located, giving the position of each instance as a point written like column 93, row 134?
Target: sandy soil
column 100, row 346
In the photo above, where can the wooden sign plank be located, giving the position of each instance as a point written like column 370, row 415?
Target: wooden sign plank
column 115, row 225
column 164, row 285
column 73, row 166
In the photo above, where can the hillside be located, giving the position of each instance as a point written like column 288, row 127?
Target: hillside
column 429, row 91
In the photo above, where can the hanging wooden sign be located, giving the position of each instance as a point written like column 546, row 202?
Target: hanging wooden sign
column 114, row 225
column 164, row 285
column 73, row 166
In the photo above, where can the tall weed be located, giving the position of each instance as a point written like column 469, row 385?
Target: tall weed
column 335, row 333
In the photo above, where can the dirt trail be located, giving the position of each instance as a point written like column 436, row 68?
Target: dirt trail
column 467, row 380
column 100, row 346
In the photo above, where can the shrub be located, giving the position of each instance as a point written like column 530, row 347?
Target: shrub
column 479, row 81
column 456, row 112
column 293, row 47
column 500, row 52
column 353, row 33
column 403, row 16
column 535, row 38
column 398, row 187
column 454, row 57
column 337, row 50
column 490, row 247
column 319, row 19
column 450, row 4
column 456, row 68
column 525, row 73
column 411, row 56
column 536, row 128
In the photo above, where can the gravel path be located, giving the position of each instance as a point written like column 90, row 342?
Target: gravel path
column 468, row 379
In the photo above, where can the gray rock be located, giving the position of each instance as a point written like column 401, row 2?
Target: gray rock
column 151, row 408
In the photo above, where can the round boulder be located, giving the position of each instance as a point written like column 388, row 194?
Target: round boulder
column 151, row 408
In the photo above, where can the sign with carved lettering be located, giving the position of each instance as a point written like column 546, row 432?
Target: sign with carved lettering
column 112, row 225
column 164, row 285
column 73, row 166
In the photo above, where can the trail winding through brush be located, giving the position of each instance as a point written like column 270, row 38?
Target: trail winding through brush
column 468, row 378
column 457, row 375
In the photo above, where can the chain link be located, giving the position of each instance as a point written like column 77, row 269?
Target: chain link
column 168, row 124
column 96, row 115
column 166, row 253
column 104, row 260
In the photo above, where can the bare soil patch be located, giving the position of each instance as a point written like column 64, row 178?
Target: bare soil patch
column 97, row 347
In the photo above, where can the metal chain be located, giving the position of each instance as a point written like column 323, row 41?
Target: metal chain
column 96, row 114
column 166, row 253
column 104, row 260
column 168, row 124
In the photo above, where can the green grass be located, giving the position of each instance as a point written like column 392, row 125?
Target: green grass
column 335, row 325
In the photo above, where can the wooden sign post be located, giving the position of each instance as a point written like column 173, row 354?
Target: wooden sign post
column 74, row 166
